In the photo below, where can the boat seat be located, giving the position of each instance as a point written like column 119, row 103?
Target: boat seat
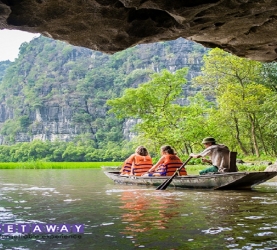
column 233, row 162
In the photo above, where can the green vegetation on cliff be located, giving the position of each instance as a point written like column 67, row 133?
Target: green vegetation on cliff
column 3, row 66
column 58, row 92
column 64, row 103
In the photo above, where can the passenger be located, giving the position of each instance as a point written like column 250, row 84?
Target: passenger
column 137, row 163
column 167, row 164
column 219, row 156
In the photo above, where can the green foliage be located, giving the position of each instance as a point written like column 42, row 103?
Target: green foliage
column 50, row 78
column 161, row 119
column 78, row 81
column 81, row 118
column 251, row 168
column 9, row 129
column 221, row 68
column 150, row 99
column 57, row 165
column 242, row 94
column 82, row 150
column 242, row 98
column 24, row 121
column 3, row 66
column 270, row 73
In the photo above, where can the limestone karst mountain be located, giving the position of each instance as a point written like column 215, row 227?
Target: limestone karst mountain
column 54, row 90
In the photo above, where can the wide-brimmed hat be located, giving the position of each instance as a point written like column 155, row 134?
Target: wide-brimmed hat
column 208, row 140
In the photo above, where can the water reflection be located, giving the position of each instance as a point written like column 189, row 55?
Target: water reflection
column 131, row 217
column 226, row 219
column 144, row 211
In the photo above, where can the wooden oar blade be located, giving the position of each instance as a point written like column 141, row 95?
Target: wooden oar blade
column 166, row 183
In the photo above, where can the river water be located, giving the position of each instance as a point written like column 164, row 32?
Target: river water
column 133, row 217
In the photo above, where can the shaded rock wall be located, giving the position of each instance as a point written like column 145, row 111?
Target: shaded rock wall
column 246, row 28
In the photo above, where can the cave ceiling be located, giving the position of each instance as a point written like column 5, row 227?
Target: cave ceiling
column 244, row 28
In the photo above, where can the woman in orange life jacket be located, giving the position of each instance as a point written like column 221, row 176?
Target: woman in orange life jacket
column 137, row 163
column 167, row 164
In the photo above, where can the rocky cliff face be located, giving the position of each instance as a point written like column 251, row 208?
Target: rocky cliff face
column 58, row 91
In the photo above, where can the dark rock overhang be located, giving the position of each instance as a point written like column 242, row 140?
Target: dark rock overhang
column 246, row 28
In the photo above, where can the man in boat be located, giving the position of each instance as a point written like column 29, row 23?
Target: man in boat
column 218, row 153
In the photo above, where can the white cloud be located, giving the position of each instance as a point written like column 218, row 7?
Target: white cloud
column 10, row 41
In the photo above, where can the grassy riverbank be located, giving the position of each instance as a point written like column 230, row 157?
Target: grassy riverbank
column 240, row 167
column 76, row 165
column 55, row 165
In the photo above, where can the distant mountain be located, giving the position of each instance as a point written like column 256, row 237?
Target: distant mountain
column 57, row 91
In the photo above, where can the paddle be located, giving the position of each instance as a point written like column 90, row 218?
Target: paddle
column 166, row 183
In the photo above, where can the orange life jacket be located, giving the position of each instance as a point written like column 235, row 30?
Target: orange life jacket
column 170, row 165
column 126, row 167
column 142, row 164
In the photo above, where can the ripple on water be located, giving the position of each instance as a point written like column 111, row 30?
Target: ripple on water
column 216, row 230
column 109, row 236
column 40, row 189
column 6, row 216
column 254, row 217
column 264, row 228
column 71, row 200
column 264, row 234
column 107, row 224
column 9, row 188
column 269, row 202
column 23, row 201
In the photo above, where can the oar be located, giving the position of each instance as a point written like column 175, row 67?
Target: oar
column 166, row 183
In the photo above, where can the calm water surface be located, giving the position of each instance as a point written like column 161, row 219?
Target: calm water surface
column 133, row 217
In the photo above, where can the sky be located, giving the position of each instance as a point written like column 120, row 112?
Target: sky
column 10, row 41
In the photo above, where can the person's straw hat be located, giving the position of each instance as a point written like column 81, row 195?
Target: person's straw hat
column 208, row 140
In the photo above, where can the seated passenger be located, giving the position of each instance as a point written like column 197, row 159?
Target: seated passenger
column 137, row 163
column 167, row 164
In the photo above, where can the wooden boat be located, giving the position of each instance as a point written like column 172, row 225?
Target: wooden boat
column 231, row 180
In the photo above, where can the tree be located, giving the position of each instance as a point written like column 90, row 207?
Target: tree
column 222, row 68
column 238, row 84
column 161, row 120
column 270, row 73
column 244, row 105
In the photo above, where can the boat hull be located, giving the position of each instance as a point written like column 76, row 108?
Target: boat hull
column 235, row 180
